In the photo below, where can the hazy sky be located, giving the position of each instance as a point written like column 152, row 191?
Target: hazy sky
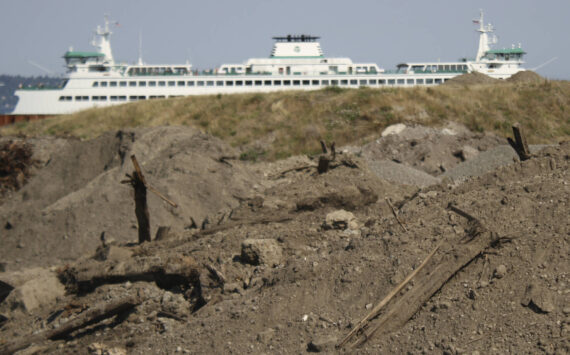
column 209, row 33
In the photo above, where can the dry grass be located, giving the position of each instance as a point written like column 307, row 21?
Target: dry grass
column 276, row 125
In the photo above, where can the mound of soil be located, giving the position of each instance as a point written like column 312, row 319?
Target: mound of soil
column 291, row 260
column 473, row 78
column 526, row 76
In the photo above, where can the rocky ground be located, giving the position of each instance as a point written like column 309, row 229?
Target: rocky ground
column 276, row 258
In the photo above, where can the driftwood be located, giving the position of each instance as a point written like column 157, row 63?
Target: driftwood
column 395, row 214
column 94, row 315
column 177, row 270
column 519, row 144
column 439, row 268
column 376, row 310
column 243, row 222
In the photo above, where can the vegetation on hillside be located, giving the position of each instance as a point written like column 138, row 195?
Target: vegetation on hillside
column 276, row 125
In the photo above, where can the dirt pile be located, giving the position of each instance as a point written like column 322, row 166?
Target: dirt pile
column 76, row 193
column 526, row 76
column 297, row 259
column 473, row 78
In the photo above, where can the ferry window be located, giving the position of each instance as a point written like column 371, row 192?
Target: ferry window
column 123, row 83
column 142, row 97
column 122, row 98
column 133, row 98
column 429, row 81
column 210, row 83
column 344, row 82
column 102, row 98
column 410, row 81
column 372, row 81
column 286, row 82
column 325, row 82
column 277, row 82
column 113, row 83
column 419, row 81
column 401, row 81
column 353, row 82
column 362, row 82
column 95, row 84
column 306, row 82
column 113, row 98
column 85, row 98
column 258, row 83
column 248, row 83
column 77, row 98
column 334, row 82
column 391, row 81
column 219, row 83
column 315, row 82
column 190, row 83
column 267, row 82
column 382, row 82
column 103, row 83
column 171, row 83
column 132, row 83
column 229, row 83
column 200, row 83
column 239, row 83
column 142, row 83
column 152, row 83
column 438, row 81
column 181, row 83
column 162, row 83
column 296, row 82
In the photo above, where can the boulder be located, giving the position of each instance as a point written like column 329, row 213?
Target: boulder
column 261, row 252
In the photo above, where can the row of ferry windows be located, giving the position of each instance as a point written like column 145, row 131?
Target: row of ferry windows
column 112, row 98
column 269, row 82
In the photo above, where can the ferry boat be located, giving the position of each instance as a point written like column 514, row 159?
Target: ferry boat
column 297, row 62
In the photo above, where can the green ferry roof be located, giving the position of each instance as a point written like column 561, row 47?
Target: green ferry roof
column 507, row 51
column 82, row 54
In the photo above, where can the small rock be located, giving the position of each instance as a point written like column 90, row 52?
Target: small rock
column 500, row 271
column 322, row 344
column 566, row 310
column 261, row 252
column 265, row 336
column 368, row 306
column 341, row 219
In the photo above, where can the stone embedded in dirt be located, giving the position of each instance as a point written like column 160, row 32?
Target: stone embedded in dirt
column 261, row 252
column 341, row 219
column 102, row 349
column 500, row 271
column 393, row 129
column 467, row 152
column 538, row 298
column 321, row 344
column 265, row 336
column 33, row 288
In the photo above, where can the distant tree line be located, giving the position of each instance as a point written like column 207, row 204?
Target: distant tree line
column 9, row 84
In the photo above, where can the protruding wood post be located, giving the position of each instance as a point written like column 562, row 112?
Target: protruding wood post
column 138, row 182
column 519, row 144
column 325, row 159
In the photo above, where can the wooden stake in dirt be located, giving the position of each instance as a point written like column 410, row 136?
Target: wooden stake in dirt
column 519, row 144
column 325, row 159
column 140, row 186
column 395, row 214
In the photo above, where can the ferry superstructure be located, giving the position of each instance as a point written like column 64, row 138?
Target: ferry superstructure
column 93, row 79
